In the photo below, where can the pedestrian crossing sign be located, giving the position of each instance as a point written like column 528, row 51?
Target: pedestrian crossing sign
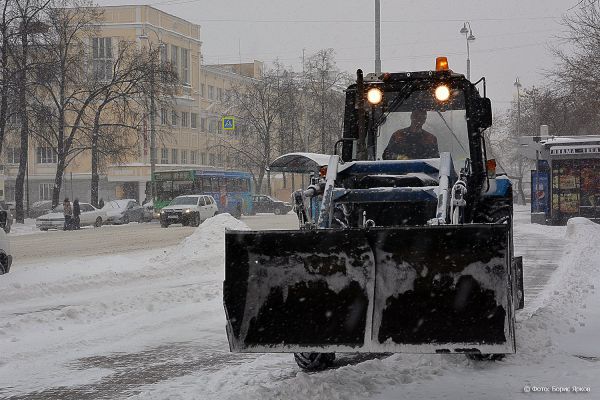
column 228, row 123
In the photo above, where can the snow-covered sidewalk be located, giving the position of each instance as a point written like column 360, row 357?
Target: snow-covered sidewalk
column 150, row 325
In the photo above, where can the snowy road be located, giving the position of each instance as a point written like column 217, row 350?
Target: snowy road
column 118, row 239
column 149, row 324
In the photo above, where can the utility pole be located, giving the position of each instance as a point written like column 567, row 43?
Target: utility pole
column 155, row 60
column 377, row 36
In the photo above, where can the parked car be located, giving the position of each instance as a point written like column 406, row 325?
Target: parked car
column 5, row 254
column 10, row 214
column 267, row 204
column 90, row 216
column 188, row 210
column 124, row 211
column 40, row 208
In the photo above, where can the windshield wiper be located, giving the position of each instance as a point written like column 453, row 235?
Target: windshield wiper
column 403, row 94
column 452, row 132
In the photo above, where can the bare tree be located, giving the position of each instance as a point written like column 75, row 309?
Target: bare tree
column 257, row 103
column 63, row 89
column 324, row 84
column 27, row 18
column 121, row 107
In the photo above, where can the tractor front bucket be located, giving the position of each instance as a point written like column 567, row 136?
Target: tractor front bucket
column 431, row 289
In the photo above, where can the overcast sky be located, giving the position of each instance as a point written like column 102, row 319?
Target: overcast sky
column 513, row 37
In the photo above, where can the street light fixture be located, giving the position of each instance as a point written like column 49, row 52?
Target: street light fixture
column 469, row 37
column 144, row 36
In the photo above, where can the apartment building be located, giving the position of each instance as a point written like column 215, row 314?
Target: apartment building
column 188, row 131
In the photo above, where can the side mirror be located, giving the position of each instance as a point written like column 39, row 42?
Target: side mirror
column 3, row 218
column 483, row 113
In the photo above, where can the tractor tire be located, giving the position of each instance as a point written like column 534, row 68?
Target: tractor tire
column 485, row 357
column 314, row 361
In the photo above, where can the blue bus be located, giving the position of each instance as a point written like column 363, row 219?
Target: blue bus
column 232, row 190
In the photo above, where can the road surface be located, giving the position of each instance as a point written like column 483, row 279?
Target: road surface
column 119, row 239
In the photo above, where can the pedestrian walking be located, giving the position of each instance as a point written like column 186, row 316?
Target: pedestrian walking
column 76, row 213
column 68, row 213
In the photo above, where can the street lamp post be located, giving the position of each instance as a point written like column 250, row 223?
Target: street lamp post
column 518, row 85
column 469, row 37
column 152, row 112
column 377, row 36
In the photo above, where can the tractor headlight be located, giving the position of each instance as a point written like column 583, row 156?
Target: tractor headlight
column 442, row 93
column 374, row 96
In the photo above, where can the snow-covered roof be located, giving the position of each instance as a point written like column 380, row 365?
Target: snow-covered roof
column 300, row 162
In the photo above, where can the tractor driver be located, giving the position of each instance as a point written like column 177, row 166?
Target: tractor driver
column 412, row 142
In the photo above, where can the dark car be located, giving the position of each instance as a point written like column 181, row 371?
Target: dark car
column 267, row 204
column 125, row 211
column 10, row 212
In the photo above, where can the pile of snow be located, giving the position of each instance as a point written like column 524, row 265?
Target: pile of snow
column 204, row 250
column 567, row 316
column 27, row 228
column 54, row 314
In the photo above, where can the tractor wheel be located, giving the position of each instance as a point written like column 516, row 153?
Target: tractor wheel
column 314, row 361
column 485, row 357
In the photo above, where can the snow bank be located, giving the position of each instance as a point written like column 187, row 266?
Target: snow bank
column 209, row 236
column 62, row 311
column 27, row 228
column 567, row 316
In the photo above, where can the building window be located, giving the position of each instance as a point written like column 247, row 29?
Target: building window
column 220, row 159
column 213, row 159
column 174, row 156
column 163, row 54
column 203, row 155
column 194, row 121
column 102, row 59
column 194, row 157
column 211, row 92
column 46, row 191
column 185, row 66
column 174, row 118
column 13, row 155
column 203, row 124
column 202, row 89
column 164, row 156
column 219, row 94
column 212, row 125
column 174, row 59
column 185, row 118
column 164, row 119
column 184, row 156
column 46, row 155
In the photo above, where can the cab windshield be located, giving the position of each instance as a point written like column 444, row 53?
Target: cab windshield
column 186, row 200
column 420, row 127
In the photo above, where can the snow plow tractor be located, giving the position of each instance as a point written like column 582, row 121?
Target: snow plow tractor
column 405, row 241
